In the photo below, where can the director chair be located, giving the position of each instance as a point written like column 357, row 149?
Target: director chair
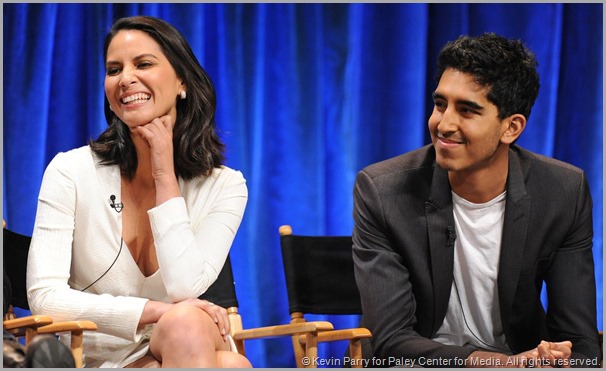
column 16, row 248
column 320, row 280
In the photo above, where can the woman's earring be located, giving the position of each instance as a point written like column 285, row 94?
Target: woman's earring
column 183, row 94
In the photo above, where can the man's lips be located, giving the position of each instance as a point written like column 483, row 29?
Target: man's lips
column 449, row 142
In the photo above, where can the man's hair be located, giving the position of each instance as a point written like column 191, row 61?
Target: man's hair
column 505, row 66
column 197, row 147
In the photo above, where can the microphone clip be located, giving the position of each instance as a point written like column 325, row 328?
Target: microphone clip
column 116, row 206
column 451, row 236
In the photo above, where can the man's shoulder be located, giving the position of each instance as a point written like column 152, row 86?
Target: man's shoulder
column 537, row 163
column 418, row 159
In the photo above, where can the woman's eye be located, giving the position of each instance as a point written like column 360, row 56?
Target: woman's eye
column 144, row 64
column 112, row 71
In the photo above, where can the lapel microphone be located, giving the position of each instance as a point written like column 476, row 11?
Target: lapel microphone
column 451, row 236
column 116, row 206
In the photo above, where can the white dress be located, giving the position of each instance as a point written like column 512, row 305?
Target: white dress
column 77, row 237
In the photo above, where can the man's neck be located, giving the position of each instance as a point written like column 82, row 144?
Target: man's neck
column 483, row 184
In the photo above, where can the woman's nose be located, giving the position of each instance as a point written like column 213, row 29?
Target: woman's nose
column 127, row 78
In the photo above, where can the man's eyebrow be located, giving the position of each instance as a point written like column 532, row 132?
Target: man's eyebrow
column 436, row 95
column 462, row 102
column 470, row 104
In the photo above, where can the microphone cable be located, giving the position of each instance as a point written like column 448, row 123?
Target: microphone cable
column 467, row 324
column 110, row 267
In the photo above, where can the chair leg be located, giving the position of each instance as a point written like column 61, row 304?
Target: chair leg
column 311, row 349
column 240, row 347
column 76, row 347
column 355, row 352
column 235, row 322
column 30, row 333
column 298, row 348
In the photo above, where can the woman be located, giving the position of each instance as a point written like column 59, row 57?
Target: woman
column 132, row 228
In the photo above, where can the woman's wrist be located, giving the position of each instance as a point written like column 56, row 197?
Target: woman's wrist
column 152, row 312
column 166, row 189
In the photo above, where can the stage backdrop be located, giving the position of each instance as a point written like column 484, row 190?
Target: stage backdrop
column 308, row 94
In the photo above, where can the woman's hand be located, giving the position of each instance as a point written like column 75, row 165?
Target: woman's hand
column 153, row 310
column 159, row 136
column 216, row 313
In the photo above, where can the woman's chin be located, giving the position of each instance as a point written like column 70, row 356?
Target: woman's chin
column 132, row 124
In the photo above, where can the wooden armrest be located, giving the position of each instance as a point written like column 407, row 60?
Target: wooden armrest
column 345, row 334
column 282, row 330
column 67, row 326
column 77, row 329
column 17, row 326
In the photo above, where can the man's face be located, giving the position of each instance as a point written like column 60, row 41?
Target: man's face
column 464, row 126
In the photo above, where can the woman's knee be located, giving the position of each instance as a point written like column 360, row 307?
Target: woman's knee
column 183, row 323
column 228, row 359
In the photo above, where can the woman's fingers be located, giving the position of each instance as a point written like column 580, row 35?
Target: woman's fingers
column 158, row 130
column 220, row 316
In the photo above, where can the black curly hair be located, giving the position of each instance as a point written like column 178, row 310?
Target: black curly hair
column 505, row 66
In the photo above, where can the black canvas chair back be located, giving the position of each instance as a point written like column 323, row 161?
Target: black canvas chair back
column 16, row 248
column 320, row 280
column 320, row 274
column 223, row 291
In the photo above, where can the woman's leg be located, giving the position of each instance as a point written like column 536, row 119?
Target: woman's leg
column 186, row 336
column 229, row 359
column 147, row 361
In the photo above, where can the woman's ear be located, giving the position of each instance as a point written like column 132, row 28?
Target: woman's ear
column 182, row 90
column 515, row 126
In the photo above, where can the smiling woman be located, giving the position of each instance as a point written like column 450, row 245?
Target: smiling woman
column 181, row 210
column 140, row 83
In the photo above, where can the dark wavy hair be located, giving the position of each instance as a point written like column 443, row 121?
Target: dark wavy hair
column 197, row 147
column 505, row 66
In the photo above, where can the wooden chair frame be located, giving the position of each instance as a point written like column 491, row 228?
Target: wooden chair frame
column 302, row 345
column 30, row 326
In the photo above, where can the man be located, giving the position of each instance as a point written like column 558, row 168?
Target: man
column 453, row 241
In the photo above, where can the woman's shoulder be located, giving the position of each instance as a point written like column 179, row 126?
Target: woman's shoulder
column 77, row 161
column 220, row 177
column 76, row 158
column 224, row 172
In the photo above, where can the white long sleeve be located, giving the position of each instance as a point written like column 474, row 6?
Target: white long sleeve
column 77, row 238
column 192, row 249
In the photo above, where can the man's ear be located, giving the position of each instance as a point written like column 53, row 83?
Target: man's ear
column 515, row 126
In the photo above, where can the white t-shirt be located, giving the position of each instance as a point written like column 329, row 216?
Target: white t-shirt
column 473, row 317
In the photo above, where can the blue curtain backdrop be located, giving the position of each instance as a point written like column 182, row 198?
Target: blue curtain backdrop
column 308, row 94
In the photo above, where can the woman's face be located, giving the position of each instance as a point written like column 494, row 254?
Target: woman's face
column 140, row 83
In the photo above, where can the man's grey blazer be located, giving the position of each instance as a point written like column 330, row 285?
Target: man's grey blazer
column 403, row 255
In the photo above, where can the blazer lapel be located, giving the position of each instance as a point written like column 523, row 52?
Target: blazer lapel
column 440, row 224
column 515, row 228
